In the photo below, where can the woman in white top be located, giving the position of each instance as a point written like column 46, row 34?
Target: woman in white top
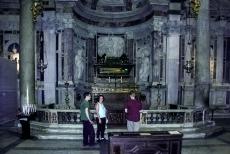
column 101, row 118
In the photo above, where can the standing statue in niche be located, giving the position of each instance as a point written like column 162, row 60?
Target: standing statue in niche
column 144, row 70
column 79, row 64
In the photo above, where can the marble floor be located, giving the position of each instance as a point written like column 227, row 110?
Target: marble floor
column 10, row 143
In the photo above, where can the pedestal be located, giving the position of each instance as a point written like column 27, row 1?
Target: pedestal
column 25, row 122
column 167, row 142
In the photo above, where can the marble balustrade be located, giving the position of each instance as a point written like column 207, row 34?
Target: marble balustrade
column 149, row 118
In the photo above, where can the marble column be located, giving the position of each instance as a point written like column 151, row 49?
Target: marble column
column 68, row 54
column 69, row 63
column 219, row 58
column 50, row 71
column 202, row 69
column 27, row 56
column 172, row 64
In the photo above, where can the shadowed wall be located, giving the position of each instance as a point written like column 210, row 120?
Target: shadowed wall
column 8, row 90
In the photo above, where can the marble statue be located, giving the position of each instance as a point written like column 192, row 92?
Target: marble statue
column 144, row 70
column 79, row 64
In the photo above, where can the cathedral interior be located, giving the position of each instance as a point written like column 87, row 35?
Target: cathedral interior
column 175, row 54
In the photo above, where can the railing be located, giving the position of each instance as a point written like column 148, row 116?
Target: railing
column 181, row 117
column 60, row 116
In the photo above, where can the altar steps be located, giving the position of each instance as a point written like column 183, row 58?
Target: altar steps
column 203, row 132
column 55, row 131
column 74, row 131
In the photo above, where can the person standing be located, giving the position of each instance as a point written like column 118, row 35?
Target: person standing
column 132, row 110
column 101, row 118
column 88, row 130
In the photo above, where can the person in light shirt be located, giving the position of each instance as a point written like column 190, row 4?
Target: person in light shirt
column 101, row 118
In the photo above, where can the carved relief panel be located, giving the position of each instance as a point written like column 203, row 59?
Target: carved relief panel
column 111, row 45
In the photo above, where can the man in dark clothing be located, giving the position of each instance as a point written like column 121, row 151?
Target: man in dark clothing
column 88, row 130
column 132, row 108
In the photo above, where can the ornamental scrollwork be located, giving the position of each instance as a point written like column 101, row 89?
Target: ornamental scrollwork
column 36, row 9
column 195, row 4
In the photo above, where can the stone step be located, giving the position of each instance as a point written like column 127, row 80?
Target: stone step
column 72, row 132
column 211, row 130
column 55, row 130
column 220, row 115
column 57, row 137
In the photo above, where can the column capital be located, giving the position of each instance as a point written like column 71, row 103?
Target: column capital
column 218, row 27
column 175, row 7
column 221, row 27
column 174, row 27
column 159, row 24
column 174, row 24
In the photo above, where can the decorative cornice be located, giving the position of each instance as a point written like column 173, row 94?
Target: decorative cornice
column 111, row 19
column 157, row 23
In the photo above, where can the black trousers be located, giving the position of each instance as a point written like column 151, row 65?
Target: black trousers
column 101, row 127
column 88, row 133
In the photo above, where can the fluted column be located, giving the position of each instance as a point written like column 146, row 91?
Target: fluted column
column 50, row 72
column 27, row 60
column 220, row 56
column 202, row 71
column 68, row 48
column 172, row 70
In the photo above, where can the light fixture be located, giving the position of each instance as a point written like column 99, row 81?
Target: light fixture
column 41, row 64
column 188, row 66
column 159, row 85
column 67, row 94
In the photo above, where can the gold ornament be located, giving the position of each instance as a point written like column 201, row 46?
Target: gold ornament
column 36, row 9
column 195, row 6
